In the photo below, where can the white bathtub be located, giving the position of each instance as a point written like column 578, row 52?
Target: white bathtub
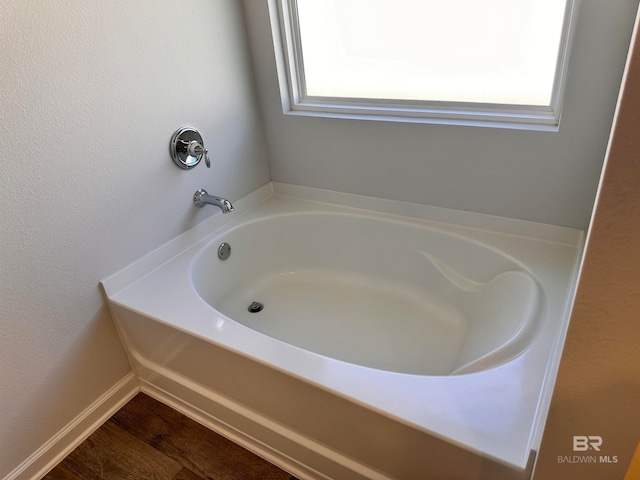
column 419, row 345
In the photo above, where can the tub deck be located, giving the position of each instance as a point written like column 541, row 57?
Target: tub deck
column 496, row 415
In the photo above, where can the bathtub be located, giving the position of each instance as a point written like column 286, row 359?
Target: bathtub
column 343, row 337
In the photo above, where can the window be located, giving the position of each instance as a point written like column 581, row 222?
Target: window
column 488, row 62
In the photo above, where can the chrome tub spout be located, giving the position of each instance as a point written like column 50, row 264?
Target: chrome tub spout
column 202, row 198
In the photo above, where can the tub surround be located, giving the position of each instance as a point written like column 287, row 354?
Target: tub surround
column 263, row 392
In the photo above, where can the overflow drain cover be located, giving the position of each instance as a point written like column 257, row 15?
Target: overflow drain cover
column 224, row 250
column 255, row 307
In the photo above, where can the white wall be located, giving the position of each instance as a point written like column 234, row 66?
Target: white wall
column 538, row 176
column 90, row 94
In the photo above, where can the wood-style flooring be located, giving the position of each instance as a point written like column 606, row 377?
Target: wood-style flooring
column 147, row 440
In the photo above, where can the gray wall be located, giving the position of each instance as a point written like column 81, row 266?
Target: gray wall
column 90, row 94
column 598, row 383
column 539, row 176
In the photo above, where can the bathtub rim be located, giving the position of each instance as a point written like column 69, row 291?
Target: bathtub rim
column 455, row 220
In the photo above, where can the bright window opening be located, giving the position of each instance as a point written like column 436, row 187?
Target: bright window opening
column 462, row 60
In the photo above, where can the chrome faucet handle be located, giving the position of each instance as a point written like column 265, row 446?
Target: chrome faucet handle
column 187, row 148
column 197, row 150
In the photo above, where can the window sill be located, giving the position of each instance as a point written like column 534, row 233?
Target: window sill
column 540, row 122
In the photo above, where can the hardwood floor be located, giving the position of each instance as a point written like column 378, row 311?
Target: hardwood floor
column 147, row 440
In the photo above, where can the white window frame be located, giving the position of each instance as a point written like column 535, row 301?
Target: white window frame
column 295, row 101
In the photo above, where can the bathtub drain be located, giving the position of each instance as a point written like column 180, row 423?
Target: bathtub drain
column 255, row 307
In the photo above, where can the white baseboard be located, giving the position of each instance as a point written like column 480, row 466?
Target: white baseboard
column 63, row 442
column 295, row 461
column 288, row 464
